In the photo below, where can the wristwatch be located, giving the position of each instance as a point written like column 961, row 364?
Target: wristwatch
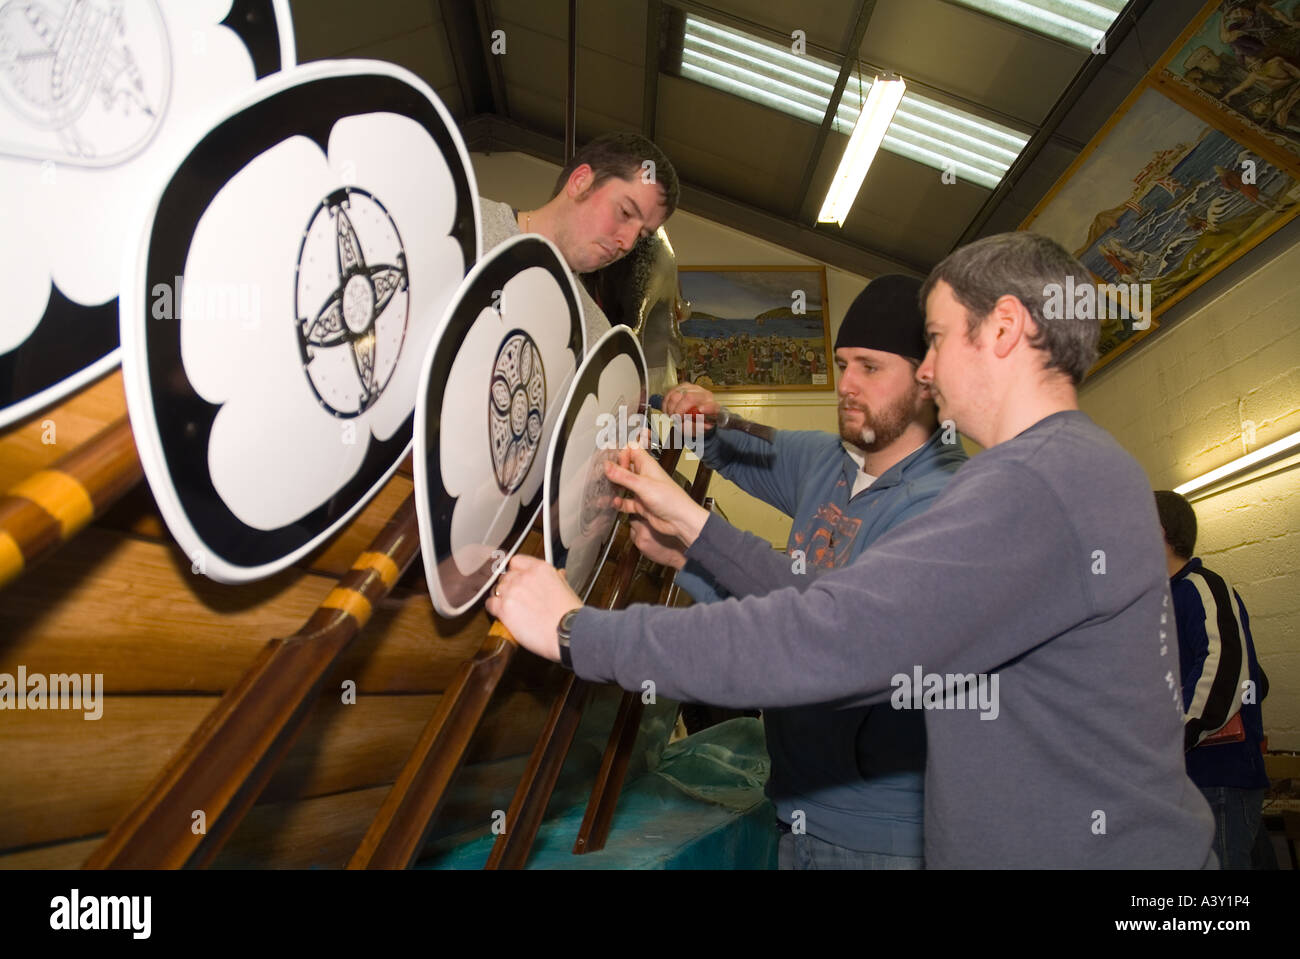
column 563, row 632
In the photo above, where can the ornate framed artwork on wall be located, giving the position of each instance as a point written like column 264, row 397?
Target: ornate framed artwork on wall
column 1198, row 165
column 1160, row 201
column 1241, row 63
column 756, row 328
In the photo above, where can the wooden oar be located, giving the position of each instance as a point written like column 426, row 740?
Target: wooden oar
column 228, row 760
column 533, row 795
column 599, row 817
column 52, row 505
column 399, row 830
column 403, row 822
column 528, row 808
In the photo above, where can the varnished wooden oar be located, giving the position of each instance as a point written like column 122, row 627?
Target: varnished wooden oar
column 402, row 825
column 52, row 505
column 533, row 795
column 599, row 817
column 228, row 760
column 400, row 829
column 528, row 808
column 403, row 822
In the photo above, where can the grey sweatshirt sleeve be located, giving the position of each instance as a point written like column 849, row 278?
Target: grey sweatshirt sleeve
column 973, row 582
column 740, row 562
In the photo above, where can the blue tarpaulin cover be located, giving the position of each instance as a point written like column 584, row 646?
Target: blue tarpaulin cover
column 701, row 808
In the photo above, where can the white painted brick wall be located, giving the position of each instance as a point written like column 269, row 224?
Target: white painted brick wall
column 1179, row 404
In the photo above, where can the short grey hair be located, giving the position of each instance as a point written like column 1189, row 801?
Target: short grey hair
column 1023, row 265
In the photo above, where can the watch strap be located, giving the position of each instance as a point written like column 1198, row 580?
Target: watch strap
column 563, row 634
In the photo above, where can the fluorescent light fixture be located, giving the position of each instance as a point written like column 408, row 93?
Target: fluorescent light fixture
column 868, row 135
column 1080, row 23
column 972, row 148
column 1260, row 457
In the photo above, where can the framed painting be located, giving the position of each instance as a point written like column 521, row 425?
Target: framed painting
column 1239, row 63
column 756, row 328
column 1157, row 203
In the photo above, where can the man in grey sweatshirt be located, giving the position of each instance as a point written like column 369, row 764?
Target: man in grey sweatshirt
column 1027, row 611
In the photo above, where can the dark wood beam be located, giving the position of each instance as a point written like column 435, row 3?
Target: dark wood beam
column 571, row 98
column 496, row 72
column 468, row 56
column 799, row 209
column 650, row 91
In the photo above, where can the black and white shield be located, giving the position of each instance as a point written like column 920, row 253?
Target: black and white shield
column 490, row 395
column 605, row 409
column 309, row 244
column 95, row 97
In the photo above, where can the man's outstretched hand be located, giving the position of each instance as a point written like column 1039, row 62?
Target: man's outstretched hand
column 529, row 598
column 654, row 496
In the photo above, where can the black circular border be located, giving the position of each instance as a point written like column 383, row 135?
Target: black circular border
column 502, row 267
column 184, row 419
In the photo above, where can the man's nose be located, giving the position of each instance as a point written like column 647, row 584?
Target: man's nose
column 925, row 372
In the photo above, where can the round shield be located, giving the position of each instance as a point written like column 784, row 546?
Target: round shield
column 605, row 409
column 310, row 243
column 490, row 395
column 95, row 97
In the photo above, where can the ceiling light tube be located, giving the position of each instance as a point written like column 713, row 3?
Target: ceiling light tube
column 1262, row 456
column 868, row 133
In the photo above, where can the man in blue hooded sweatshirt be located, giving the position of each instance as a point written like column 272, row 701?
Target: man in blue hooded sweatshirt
column 847, row 783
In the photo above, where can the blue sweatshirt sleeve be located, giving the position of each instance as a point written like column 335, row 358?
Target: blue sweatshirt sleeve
column 699, row 585
column 744, row 565
column 772, row 472
column 913, row 597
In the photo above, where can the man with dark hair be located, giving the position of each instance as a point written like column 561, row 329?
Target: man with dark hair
column 1030, row 594
column 1222, row 688
column 846, row 783
column 627, row 156
column 616, row 189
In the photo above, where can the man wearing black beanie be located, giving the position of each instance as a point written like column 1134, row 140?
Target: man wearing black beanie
column 847, row 784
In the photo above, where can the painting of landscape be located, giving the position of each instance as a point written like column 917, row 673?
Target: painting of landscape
column 756, row 328
column 1164, row 200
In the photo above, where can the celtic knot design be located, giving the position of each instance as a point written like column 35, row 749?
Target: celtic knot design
column 598, row 491
column 68, row 68
column 516, row 409
column 350, row 343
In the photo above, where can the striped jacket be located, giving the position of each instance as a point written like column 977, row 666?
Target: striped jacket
column 1220, row 677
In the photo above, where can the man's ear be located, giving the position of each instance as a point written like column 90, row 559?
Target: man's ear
column 1011, row 323
column 580, row 181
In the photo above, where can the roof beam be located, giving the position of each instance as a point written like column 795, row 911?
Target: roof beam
column 799, row 209
column 650, row 92
column 472, row 72
column 496, row 75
